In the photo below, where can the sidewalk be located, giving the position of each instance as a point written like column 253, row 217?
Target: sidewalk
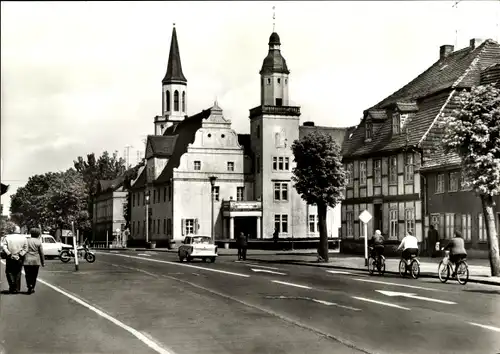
column 479, row 269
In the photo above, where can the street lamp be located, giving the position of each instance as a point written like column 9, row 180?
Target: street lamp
column 146, row 196
column 212, row 183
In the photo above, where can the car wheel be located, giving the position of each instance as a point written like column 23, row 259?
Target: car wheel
column 180, row 257
column 204, row 259
column 212, row 259
column 189, row 258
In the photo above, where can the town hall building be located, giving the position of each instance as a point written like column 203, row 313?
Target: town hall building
column 190, row 157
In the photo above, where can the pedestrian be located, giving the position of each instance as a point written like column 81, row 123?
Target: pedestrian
column 33, row 260
column 432, row 237
column 241, row 243
column 276, row 237
column 14, row 247
column 244, row 247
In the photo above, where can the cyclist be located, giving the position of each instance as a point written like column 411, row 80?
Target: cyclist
column 377, row 242
column 409, row 244
column 457, row 249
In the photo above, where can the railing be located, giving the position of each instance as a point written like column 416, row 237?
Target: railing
column 232, row 205
column 276, row 110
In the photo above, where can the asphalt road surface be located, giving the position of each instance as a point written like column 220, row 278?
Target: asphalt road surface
column 148, row 302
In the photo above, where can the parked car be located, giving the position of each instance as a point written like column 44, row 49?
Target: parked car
column 51, row 248
column 197, row 247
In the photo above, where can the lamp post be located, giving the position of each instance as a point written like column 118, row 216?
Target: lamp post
column 146, row 195
column 212, row 184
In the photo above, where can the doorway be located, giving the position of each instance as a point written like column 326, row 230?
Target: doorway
column 377, row 217
column 247, row 225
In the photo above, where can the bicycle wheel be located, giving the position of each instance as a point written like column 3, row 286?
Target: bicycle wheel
column 462, row 272
column 415, row 269
column 371, row 265
column 443, row 272
column 402, row 268
column 381, row 267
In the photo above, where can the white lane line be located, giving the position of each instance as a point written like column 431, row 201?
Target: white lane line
column 491, row 328
column 266, row 271
column 380, row 303
column 182, row 265
column 328, row 303
column 144, row 254
column 338, row 272
column 291, row 284
column 415, row 296
column 149, row 342
column 396, row 284
column 260, row 266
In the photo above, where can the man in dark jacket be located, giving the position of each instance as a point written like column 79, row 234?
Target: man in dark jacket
column 432, row 237
column 456, row 246
column 377, row 242
column 242, row 246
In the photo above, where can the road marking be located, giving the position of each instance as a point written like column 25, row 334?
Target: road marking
column 381, row 303
column 335, row 304
column 149, row 342
column 266, row 271
column 291, row 284
column 338, row 272
column 496, row 329
column 414, row 296
column 396, row 284
column 183, row 265
column 327, row 303
column 258, row 265
column 144, row 254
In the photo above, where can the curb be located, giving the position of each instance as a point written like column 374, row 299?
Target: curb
column 322, row 265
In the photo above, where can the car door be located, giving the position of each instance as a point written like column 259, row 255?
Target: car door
column 50, row 247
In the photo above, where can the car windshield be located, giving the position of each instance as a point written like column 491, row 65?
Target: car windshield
column 201, row 239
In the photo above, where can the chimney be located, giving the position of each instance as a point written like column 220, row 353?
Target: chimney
column 445, row 50
column 476, row 42
column 308, row 124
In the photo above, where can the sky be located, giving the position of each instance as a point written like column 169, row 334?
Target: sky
column 82, row 77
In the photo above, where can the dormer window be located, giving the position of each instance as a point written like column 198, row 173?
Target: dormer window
column 369, row 131
column 396, row 123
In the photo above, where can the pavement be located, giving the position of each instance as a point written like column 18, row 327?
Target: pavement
column 148, row 302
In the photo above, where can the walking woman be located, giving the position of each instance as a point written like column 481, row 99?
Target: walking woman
column 33, row 259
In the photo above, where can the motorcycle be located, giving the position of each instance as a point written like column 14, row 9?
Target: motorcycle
column 83, row 252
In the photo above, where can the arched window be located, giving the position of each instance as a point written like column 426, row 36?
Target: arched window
column 176, row 101
column 184, row 101
column 167, row 99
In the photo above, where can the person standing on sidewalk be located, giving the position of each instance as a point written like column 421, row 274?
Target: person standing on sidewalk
column 34, row 259
column 432, row 237
column 14, row 247
column 242, row 246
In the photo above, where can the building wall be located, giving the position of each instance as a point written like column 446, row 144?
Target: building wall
column 108, row 214
column 400, row 197
column 457, row 210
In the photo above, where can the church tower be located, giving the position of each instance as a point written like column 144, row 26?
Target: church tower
column 274, row 126
column 174, row 90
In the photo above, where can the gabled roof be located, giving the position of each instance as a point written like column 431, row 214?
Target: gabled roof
column 174, row 69
column 160, row 145
column 338, row 134
column 140, row 182
column 106, row 185
column 430, row 92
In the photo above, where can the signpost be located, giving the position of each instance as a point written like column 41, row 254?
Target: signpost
column 365, row 217
column 75, row 247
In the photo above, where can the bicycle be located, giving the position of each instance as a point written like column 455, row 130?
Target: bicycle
column 374, row 263
column 446, row 267
column 413, row 266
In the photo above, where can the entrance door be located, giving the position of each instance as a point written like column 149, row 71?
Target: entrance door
column 377, row 217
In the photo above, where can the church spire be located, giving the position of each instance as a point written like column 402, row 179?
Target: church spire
column 174, row 69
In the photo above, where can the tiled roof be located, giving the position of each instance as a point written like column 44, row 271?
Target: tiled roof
column 338, row 134
column 379, row 114
column 161, row 146
column 441, row 160
column 407, row 106
column 110, row 185
column 430, row 91
column 140, row 182
column 245, row 141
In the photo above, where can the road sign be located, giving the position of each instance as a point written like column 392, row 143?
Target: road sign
column 365, row 216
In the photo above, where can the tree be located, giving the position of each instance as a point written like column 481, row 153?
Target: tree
column 319, row 177
column 7, row 227
column 473, row 132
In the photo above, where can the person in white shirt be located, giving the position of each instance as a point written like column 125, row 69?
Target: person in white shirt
column 409, row 244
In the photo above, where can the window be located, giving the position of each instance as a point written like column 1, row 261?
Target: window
column 158, row 226
column 369, row 131
column 165, row 226
column 395, row 123
column 281, row 223
column 154, row 225
column 464, row 182
column 154, row 196
column 230, row 166
column 281, row 191
column 269, row 81
column 281, row 163
column 482, row 228
column 279, row 80
column 257, row 163
column 377, row 172
column 184, row 101
column 440, row 183
column 197, row 165
column 169, row 193
column 410, row 221
column 393, row 223
column 189, row 226
column 409, row 168
column 240, row 193
column 466, row 226
column 450, row 225
column 164, row 194
column 313, row 223
column 258, row 131
column 362, row 173
column 133, row 200
column 216, row 193
column 279, row 102
column 176, row 101
column 453, row 182
column 168, row 100
column 393, row 170
column 349, row 168
column 169, row 226
column 349, row 219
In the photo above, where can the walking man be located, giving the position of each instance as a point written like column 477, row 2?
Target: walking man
column 15, row 247
column 33, row 260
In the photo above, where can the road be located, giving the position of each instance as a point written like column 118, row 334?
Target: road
column 148, row 302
